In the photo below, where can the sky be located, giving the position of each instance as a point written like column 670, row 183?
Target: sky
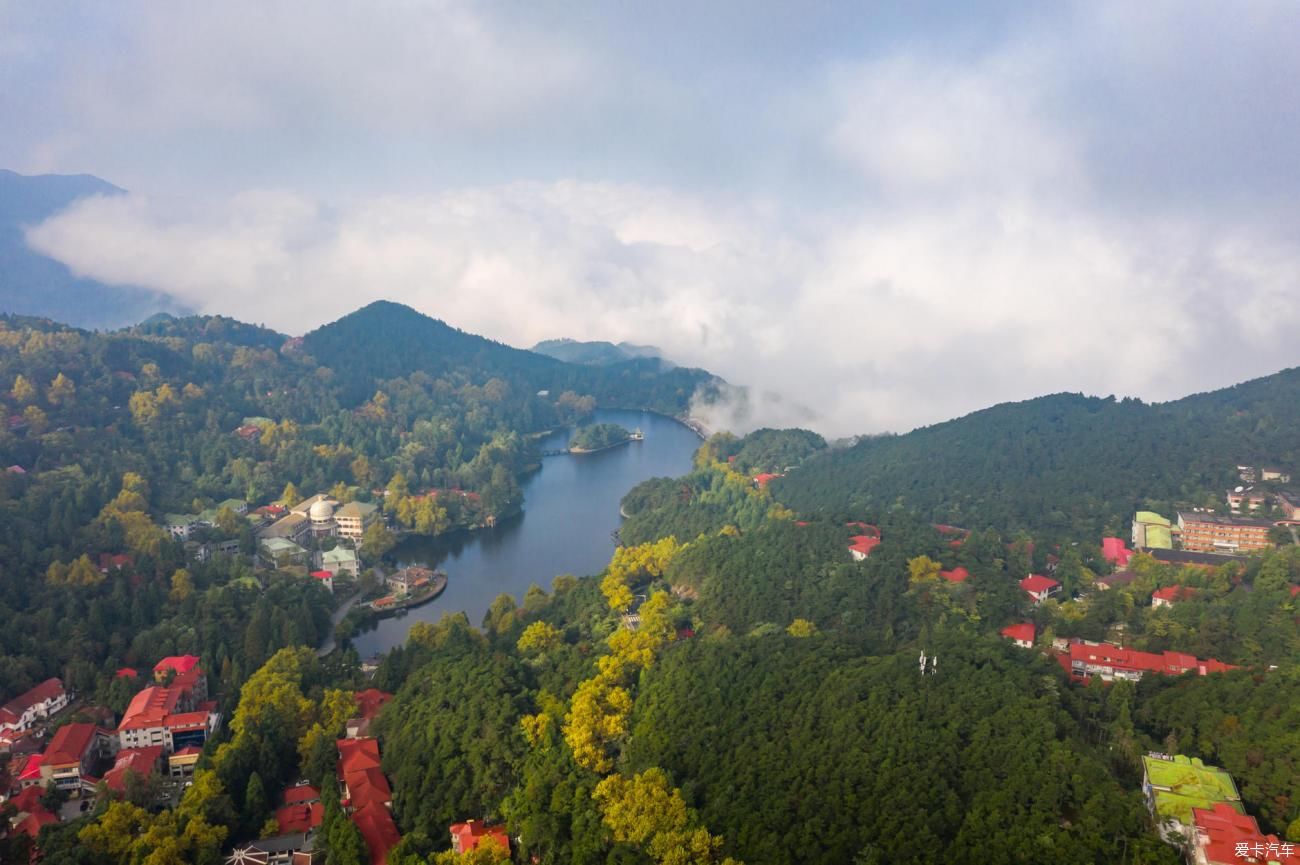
column 873, row 215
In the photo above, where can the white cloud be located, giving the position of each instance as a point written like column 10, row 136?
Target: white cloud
column 1089, row 199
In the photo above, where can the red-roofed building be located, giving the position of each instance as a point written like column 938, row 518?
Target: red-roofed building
column 761, row 480
column 177, row 664
column 26, row 709
column 71, row 755
column 1040, row 588
column 378, row 830
column 113, row 562
column 141, row 762
column 325, row 578
column 26, row 770
column 1170, row 595
column 175, row 716
column 1022, row 634
column 1221, row 836
column 369, row 702
column 126, row 673
column 860, row 546
column 1114, row 662
column 469, row 835
column 293, row 819
column 1115, row 551
column 301, row 794
column 956, row 575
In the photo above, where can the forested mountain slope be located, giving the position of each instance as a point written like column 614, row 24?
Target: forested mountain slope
column 388, row 340
column 32, row 284
column 1061, row 464
column 596, row 352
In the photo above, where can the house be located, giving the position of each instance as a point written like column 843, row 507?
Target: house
column 294, row 527
column 325, row 578
column 25, row 771
column 956, row 575
column 40, row 702
column 1275, row 474
column 1290, row 505
column 1022, row 634
column 278, row 552
column 1117, row 580
column 1170, row 595
column 1040, row 588
column 1086, row 659
column 354, row 518
column 1211, row 533
column 369, row 702
column 1222, row 836
column 175, row 665
column 1152, row 531
column 179, row 526
column 469, row 835
column 367, row 796
column 1246, row 498
column 407, row 580
column 860, row 546
column 1175, row 786
column 71, row 756
column 302, row 810
column 1115, row 551
column 289, row 849
column 140, row 762
column 109, row 562
column 181, row 763
column 339, row 561
column 762, row 479
column 29, row 814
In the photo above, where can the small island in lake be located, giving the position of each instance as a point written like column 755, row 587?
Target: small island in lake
column 598, row 437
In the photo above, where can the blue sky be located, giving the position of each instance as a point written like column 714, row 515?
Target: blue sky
column 889, row 213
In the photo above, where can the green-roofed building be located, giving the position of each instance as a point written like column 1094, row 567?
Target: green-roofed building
column 1152, row 531
column 282, row 551
column 1175, row 785
column 339, row 560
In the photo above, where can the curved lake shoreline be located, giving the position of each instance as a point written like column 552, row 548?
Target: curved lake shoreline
column 571, row 509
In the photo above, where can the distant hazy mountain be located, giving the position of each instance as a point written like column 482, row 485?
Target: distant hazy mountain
column 594, row 353
column 32, row 284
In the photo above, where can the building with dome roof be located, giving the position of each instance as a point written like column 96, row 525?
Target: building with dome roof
column 321, row 514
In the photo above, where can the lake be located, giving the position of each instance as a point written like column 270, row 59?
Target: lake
column 570, row 514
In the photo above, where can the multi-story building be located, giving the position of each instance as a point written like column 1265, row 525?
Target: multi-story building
column 174, row 716
column 72, row 754
column 295, row 527
column 18, row 715
column 1212, row 533
column 354, row 518
column 1176, row 785
column 1223, row 836
column 1290, row 505
column 1151, row 531
column 1275, row 474
column 1248, row 499
column 1088, row 659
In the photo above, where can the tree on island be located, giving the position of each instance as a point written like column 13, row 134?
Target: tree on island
column 597, row 436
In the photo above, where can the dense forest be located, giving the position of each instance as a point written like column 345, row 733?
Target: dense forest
column 1063, row 465
column 598, row 436
column 733, row 687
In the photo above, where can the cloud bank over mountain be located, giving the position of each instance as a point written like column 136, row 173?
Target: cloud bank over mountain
column 882, row 218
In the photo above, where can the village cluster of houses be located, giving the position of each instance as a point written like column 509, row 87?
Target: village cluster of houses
column 365, row 796
column 1198, row 808
column 161, row 733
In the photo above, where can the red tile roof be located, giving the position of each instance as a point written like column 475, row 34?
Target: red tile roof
column 70, row 744
column 301, row 794
column 370, row 701
column 50, row 689
column 1221, row 831
column 126, row 673
column 31, row 769
column 956, row 575
column 142, row 761
column 1168, row 663
column 1114, row 550
column 1022, row 631
column 468, row 835
column 1037, row 584
column 359, row 768
column 322, row 575
column 1172, row 594
column 863, row 544
column 149, row 707
column 378, row 831
column 109, row 562
column 178, row 663
column 29, row 799
column 763, row 478
column 293, row 819
column 32, row 823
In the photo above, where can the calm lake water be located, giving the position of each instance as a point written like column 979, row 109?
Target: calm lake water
column 570, row 512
